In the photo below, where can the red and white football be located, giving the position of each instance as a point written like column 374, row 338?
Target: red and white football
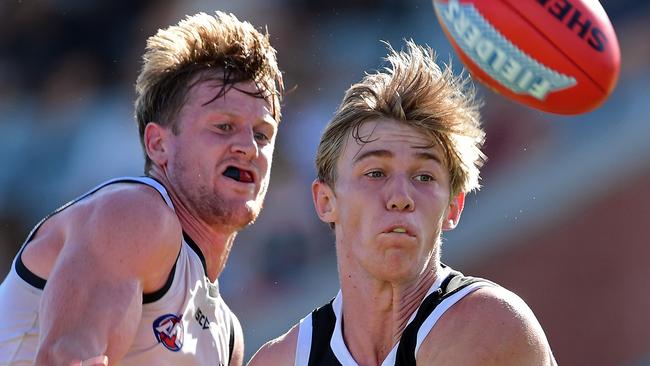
column 559, row 56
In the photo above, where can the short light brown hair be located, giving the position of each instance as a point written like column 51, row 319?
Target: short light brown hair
column 414, row 90
column 203, row 47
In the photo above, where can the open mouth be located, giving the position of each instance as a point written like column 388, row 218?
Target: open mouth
column 399, row 229
column 239, row 175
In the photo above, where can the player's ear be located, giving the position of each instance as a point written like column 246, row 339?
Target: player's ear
column 155, row 143
column 454, row 210
column 324, row 201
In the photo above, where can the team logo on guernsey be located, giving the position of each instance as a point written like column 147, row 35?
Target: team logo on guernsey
column 168, row 330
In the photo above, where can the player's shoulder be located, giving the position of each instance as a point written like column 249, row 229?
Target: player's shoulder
column 489, row 326
column 130, row 194
column 278, row 352
column 128, row 217
column 133, row 206
column 495, row 301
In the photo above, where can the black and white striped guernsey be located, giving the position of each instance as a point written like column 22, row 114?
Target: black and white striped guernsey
column 320, row 339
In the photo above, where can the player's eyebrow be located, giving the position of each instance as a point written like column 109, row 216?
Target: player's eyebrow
column 379, row 153
column 425, row 155
column 382, row 153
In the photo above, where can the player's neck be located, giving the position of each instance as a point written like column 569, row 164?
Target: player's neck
column 215, row 243
column 376, row 313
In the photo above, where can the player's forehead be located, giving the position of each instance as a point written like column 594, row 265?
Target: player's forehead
column 242, row 99
column 390, row 137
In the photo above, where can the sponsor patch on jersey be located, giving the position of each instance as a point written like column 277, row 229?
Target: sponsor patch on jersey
column 168, row 330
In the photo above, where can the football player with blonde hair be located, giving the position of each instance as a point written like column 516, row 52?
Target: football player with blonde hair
column 394, row 165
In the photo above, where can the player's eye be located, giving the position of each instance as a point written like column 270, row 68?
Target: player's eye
column 259, row 136
column 375, row 174
column 423, row 178
column 225, row 127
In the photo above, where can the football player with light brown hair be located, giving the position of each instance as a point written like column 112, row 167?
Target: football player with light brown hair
column 128, row 273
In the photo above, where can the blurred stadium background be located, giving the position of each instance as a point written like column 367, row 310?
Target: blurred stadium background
column 563, row 218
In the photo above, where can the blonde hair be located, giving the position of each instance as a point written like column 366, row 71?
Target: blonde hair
column 413, row 90
column 203, row 47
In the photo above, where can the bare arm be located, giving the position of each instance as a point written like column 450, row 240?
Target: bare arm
column 278, row 352
column 116, row 246
column 491, row 326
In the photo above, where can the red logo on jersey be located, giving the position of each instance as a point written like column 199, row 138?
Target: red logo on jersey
column 168, row 330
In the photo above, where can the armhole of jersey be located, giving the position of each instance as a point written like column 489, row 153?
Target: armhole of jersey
column 38, row 282
column 444, row 305
column 174, row 274
column 231, row 343
column 158, row 294
column 303, row 344
column 26, row 275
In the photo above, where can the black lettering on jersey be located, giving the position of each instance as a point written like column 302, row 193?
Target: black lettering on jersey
column 202, row 319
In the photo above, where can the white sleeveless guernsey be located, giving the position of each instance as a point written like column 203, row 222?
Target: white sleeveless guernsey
column 184, row 323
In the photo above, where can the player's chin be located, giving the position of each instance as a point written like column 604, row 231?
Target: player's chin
column 397, row 275
column 246, row 213
column 238, row 220
column 396, row 269
column 236, row 213
column 253, row 209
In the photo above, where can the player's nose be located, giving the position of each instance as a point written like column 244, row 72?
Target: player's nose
column 244, row 144
column 399, row 197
